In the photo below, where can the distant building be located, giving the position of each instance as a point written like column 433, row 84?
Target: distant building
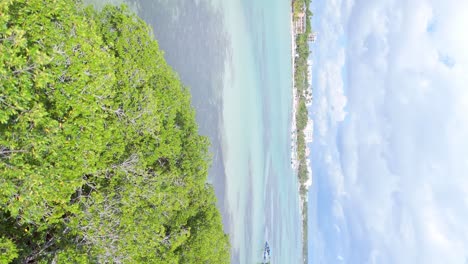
column 308, row 93
column 312, row 37
column 309, row 98
column 301, row 21
column 309, row 174
column 309, row 131
column 309, row 70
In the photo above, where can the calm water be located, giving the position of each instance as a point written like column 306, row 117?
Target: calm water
column 236, row 58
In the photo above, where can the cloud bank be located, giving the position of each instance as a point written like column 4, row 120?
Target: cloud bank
column 391, row 114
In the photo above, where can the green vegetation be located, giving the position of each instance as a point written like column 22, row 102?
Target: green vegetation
column 100, row 157
column 302, row 115
column 298, row 5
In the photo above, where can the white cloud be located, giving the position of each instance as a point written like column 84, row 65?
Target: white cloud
column 334, row 86
column 397, row 164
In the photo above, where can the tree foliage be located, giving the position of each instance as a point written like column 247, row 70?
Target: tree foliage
column 100, row 156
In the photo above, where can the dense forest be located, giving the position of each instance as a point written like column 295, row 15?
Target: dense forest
column 100, row 156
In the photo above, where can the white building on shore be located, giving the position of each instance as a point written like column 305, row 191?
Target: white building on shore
column 309, row 70
column 312, row 37
column 309, row 174
column 300, row 23
column 308, row 94
column 309, row 131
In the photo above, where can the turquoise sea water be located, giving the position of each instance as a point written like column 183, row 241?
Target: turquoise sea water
column 235, row 55
column 261, row 190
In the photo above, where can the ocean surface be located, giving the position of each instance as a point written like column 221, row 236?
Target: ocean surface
column 235, row 56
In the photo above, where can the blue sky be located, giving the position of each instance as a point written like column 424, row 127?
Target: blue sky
column 390, row 157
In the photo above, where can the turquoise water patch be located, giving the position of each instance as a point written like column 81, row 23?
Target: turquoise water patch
column 262, row 196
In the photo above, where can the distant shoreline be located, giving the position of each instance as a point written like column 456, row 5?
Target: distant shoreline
column 295, row 101
column 301, row 96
